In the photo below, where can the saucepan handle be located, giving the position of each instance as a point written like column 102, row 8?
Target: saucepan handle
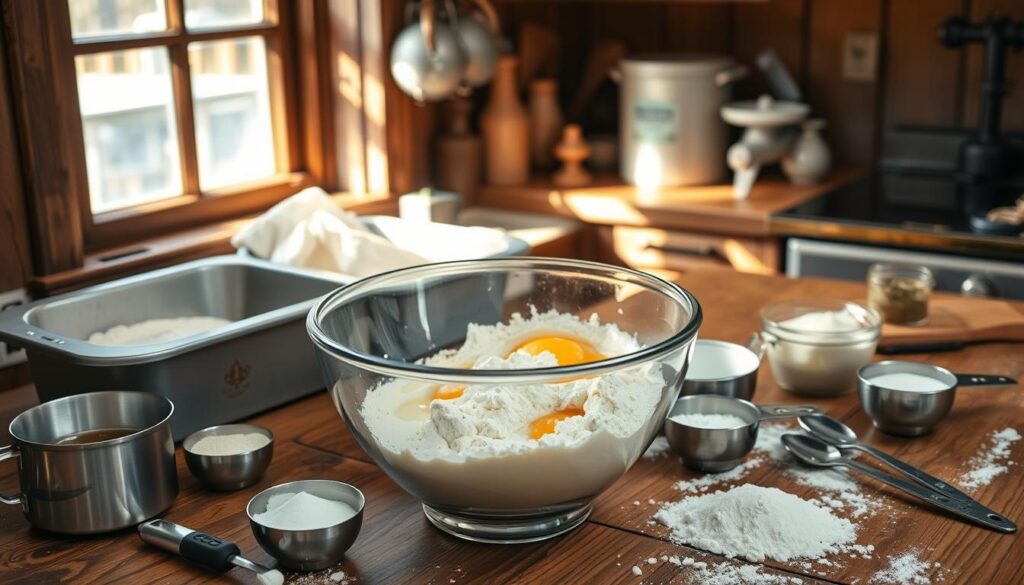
column 772, row 411
column 10, row 452
column 757, row 344
column 984, row 380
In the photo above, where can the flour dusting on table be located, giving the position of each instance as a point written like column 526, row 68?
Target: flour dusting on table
column 908, row 569
column 991, row 462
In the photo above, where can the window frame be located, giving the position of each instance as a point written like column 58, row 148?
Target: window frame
column 194, row 205
column 44, row 83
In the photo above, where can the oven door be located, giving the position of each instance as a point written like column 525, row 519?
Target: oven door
column 958, row 274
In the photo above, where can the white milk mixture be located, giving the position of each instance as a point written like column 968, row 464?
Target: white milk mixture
column 519, row 445
column 822, row 370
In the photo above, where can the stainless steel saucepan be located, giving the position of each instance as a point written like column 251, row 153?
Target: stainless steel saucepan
column 75, row 479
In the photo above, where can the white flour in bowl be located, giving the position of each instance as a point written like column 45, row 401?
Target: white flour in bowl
column 476, row 449
column 757, row 523
column 710, row 421
column 908, row 382
column 156, row 330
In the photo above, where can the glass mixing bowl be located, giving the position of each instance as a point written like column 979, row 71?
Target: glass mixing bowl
column 371, row 336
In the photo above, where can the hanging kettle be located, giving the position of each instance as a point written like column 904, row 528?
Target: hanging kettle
column 434, row 58
column 479, row 38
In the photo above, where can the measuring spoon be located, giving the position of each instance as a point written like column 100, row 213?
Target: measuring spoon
column 814, row 451
column 838, row 434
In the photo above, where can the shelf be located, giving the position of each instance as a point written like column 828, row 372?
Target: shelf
column 707, row 208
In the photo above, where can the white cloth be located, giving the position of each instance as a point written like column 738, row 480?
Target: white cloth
column 309, row 230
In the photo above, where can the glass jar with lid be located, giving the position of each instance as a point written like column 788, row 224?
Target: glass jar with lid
column 900, row 292
column 816, row 346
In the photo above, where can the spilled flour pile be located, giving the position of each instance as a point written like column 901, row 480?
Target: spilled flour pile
column 757, row 523
column 991, row 463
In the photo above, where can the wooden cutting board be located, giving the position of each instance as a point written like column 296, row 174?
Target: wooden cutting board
column 961, row 320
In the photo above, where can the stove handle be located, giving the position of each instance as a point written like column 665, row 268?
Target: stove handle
column 978, row 285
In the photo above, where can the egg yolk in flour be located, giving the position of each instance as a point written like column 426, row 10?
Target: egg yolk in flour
column 546, row 424
column 447, row 392
column 568, row 351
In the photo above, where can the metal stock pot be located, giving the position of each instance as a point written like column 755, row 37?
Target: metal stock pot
column 670, row 130
column 94, row 487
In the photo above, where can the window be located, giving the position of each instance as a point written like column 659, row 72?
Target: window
column 181, row 103
column 138, row 120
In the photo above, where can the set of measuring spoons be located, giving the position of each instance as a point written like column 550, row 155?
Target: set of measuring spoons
column 826, row 445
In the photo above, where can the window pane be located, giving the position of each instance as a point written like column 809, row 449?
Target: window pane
column 91, row 18
column 217, row 13
column 131, row 141
column 231, row 99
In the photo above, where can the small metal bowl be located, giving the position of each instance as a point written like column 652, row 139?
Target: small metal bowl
column 722, row 368
column 912, row 413
column 228, row 472
column 718, row 450
column 308, row 550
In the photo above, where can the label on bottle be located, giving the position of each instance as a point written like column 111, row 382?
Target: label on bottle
column 654, row 121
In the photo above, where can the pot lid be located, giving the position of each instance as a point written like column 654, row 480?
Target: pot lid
column 765, row 112
column 676, row 63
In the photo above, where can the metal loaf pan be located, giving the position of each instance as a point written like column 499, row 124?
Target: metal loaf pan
column 262, row 359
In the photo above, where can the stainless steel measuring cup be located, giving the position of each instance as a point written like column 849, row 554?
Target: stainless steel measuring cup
column 723, row 368
column 720, row 449
column 908, row 412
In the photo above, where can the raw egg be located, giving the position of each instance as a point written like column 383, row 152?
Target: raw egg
column 418, row 408
column 448, row 392
column 546, row 424
column 567, row 350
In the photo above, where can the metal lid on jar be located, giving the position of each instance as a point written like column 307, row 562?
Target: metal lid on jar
column 821, row 321
column 673, row 64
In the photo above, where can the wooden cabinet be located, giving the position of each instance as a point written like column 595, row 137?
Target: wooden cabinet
column 677, row 250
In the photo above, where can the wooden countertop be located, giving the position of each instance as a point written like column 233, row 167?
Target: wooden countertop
column 707, row 208
column 398, row 545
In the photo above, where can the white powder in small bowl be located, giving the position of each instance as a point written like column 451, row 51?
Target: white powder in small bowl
column 907, row 382
column 303, row 511
column 710, row 421
column 234, row 444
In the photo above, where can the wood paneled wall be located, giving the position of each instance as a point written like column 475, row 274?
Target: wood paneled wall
column 15, row 247
column 919, row 82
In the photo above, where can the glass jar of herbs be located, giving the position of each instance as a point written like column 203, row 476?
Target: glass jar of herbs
column 900, row 292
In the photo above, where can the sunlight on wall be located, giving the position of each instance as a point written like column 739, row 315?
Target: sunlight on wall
column 647, row 171
column 349, row 80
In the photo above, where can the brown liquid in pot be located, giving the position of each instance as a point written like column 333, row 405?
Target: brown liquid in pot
column 95, row 436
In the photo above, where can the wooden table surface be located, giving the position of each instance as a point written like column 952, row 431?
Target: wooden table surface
column 398, row 545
